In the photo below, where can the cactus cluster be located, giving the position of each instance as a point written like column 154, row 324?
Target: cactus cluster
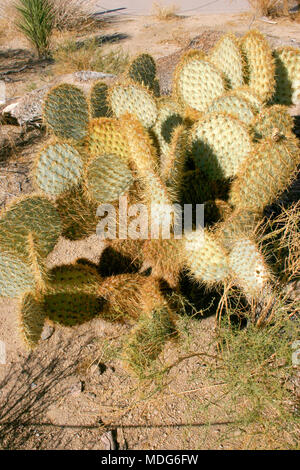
column 223, row 139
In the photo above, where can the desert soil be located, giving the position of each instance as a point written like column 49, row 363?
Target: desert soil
column 75, row 390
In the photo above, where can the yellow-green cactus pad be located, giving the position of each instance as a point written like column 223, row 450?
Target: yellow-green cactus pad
column 57, row 168
column 227, row 57
column 287, row 76
column 233, row 105
column 205, row 257
column 32, row 215
column 271, row 121
column 16, row 276
column 107, row 136
column 71, row 298
column 98, row 100
column 66, row 112
column 143, row 70
column 107, row 177
column 265, row 174
column 134, row 99
column 248, row 94
column 31, row 319
column 260, row 66
column 248, row 267
column 197, row 82
column 219, row 145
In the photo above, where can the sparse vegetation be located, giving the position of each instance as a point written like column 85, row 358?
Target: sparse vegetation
column 73, row 15
column 36, row 21
column 164, row 12
column 70, row 57
column 270, row 7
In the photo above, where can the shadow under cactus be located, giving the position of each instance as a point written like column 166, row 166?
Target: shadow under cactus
column 28, row 391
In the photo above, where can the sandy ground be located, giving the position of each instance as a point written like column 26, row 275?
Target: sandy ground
column 190, row 413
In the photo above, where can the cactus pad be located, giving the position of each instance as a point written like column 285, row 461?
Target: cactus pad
column 233, row 105
column 66, row 112
column 219, row 145
column 57, row 168
column 248, row 267
column 98, row 100
column 32, row 214
column 16, row 276
column 259, row 64
column 134, row 99
column 107, row 178
column 197, row 82
column 226, row 56
column 287, row 75
column 31, row 319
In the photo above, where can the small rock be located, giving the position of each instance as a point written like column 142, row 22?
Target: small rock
column 33, row 386
column 77, row 388
column 47, row 332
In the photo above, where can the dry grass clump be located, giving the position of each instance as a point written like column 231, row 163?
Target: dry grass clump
column 270, row 7
column 72, row 15
column 164, row 12
column 71, row 57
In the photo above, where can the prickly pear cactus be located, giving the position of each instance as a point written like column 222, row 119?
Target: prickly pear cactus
column 219, row 141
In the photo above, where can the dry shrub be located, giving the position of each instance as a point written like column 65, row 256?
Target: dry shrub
column 73, row 14
column 269, row 7
column 164, row 12
column 69, row 15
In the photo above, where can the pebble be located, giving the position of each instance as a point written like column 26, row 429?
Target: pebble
column 47, row 332
column 77, row 388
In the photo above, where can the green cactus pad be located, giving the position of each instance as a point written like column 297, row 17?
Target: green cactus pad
column 197, row 82
column 287, row 60
column 34, row 215
column 98, row 100
column 143, row 70
column 259, row 64
column 107, row 178
column 16, row 276
column 57, row 168
column 66, row 112
column 31, row 319
column 71, row 298
column 156, row 88
column 226, row 56
column 219, row 145
column 134, row 99
column 235, row 106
